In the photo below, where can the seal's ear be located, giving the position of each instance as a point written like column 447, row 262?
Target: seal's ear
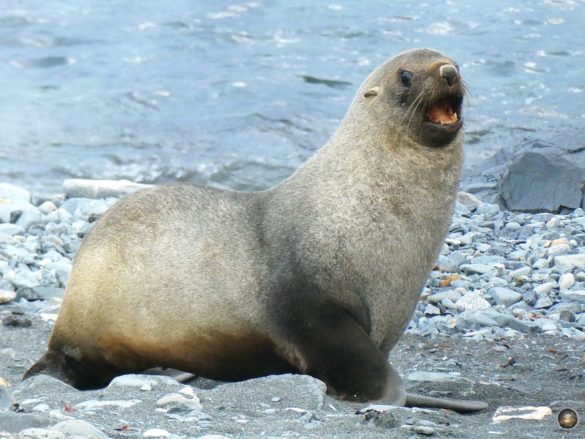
column 372, row 92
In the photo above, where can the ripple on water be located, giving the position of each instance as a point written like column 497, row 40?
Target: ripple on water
column 239, row 95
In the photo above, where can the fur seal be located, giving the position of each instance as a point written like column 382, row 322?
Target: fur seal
column 319, row 274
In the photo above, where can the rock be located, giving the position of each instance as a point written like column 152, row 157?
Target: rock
column 40, row 433
column 543, row 302
column 78, row 427
column 39, row 293
column 79, row 188
column 512, row 226
column 472, row 301
column 525, row 413
column 434, row 377
column 11, row 229
column 100, row 405
column 524, row 326
column 576, row 296
column 7, row 296
column 47, row 207
column 566, row 281
column 12, row 422
column 16, row 321
column 504, row 296
column 472, row 319
column 523, row 187
column 567, row 315
column 577, row 260
column 156, row 432
column 468, row 200
column 294, row 390
column 432, row 310
column 544, row 288
column 5, row 399
column 11, row 194
column 478, row 269
column 138, row 381
column 424, row 430
column 177, row 398
column 29, row 216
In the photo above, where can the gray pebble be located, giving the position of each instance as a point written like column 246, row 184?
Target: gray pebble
column 504, row 296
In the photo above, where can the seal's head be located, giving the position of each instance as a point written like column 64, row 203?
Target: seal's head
column 422, row 92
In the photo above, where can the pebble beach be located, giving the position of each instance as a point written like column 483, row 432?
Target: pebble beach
column 502, row 279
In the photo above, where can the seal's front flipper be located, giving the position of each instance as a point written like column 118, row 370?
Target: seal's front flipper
column 326, row 342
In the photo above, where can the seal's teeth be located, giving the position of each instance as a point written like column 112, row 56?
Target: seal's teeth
column 442, row 113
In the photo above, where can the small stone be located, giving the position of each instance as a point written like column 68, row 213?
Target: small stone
column 41, row 408
column 7, row 296
column 504, row 296
column 471, row 319
column 544, row 288
column 29, row 216
column 524, row 413
column 567, row 316
column 424, row 430
column 78, row 428
column 472, row 301
column 553, row 223
column 512, row 226
column 177, row 398
column 543, row 302
column 577, row 260
column 524, row 326
column 94, row 404
column 16, row 321
column 566, row 281
column 47, row 207
column 5, row 399
column 530, row 297
column 156, row 432
column 577, row 296
column 40, row 433
column 478, row 269
column 433, row 377
column 562, row 249
column 432, row 310
column 540, row 264
column 11, row 229
column 138, row 381
column 468, row 200
column 448, row 303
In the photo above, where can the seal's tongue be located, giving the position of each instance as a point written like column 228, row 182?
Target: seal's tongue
column 442, row 113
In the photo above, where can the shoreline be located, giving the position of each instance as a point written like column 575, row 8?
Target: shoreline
column 503, row 281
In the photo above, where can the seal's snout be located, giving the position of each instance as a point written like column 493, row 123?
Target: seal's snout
column 450, row 73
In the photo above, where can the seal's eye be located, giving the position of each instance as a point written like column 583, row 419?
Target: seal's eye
column 406, row 77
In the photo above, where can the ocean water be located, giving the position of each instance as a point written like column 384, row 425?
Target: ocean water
column 237, row 95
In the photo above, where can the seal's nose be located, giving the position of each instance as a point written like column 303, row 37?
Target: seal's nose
column 449, row 72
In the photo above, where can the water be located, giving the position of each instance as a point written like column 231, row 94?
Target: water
column 239, row 94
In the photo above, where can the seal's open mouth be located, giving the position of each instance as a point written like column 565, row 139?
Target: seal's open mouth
column 445, row 111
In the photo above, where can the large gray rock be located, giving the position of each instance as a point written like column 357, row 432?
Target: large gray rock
column 544, row 178
column 534, row 176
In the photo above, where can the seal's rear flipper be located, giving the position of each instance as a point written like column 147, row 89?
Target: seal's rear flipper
column 69, row 370
column 458, row 405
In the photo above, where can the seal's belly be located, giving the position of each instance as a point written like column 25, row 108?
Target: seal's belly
column 226, row 357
